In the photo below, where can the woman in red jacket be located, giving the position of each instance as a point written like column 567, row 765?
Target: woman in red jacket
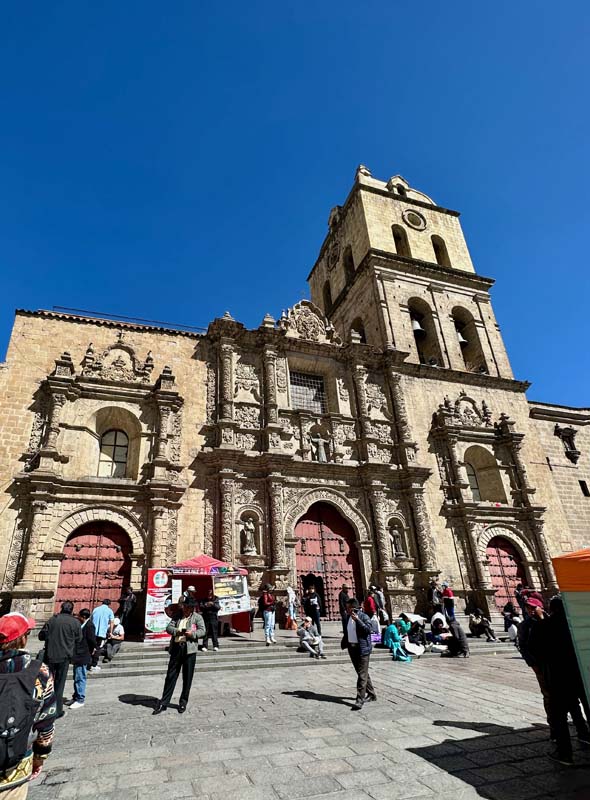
column 370, row 605
column 268, row 603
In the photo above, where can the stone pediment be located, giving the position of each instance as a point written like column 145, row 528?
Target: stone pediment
column 306, row 321
column 117, row 363
column 464, row 412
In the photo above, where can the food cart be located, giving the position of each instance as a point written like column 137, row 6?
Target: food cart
column 573, row 576
column 167, row 584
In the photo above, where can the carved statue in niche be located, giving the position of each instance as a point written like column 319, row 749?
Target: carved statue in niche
column 320, row 439
column 248, row 536
column 397, row 540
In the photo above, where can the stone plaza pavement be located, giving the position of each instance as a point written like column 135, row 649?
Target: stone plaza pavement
column 446, row 729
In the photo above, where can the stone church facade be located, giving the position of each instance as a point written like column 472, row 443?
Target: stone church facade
column 373, row 434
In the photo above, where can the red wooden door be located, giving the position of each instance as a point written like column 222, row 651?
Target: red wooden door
column 96, row 566
column 506, row 569
column 326, row 555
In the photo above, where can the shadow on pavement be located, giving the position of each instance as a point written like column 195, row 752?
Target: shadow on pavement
column 510, row 763
column 138, row 700
column 304, row 694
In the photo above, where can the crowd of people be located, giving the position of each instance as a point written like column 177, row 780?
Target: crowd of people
column 541, row 634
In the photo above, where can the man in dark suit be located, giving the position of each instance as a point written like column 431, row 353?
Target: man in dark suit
column 357, row 640
column 343, row 599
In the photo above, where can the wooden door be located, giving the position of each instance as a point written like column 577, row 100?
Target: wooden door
column 96, row 566
column 326, row 555
column 506, row 569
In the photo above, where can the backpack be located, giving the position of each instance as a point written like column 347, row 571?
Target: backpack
column 17, row 714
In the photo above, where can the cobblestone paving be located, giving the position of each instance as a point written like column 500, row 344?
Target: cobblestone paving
column 445, row 729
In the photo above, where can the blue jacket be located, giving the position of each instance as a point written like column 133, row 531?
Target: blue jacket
column 363, row 634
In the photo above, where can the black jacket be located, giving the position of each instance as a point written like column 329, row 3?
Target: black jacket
column 86, row 647
column 210, row 608
column 61, row 635
column 363, row 634
column 343, row 599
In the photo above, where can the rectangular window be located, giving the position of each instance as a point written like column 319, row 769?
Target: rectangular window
column 584, row 488
column 307, row 393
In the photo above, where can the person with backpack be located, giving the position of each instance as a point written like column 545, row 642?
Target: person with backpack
column 83, row 657
column 27, row 708
column 61, row 635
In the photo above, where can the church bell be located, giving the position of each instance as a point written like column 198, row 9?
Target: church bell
column 462, row 340
column 417, row 327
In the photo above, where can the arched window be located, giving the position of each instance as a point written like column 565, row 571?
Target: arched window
column 114, row 448
column 327, row 295
column 441, row 254
column 424, row 330
column 469, row 342
column 484, row 475
column 357, row 332
column 400, row 239
column 348, row 262
column 473, row 483
column 401, row 189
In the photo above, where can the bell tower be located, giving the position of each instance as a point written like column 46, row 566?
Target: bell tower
column 394, row 271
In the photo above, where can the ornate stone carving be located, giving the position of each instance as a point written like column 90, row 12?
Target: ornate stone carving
column 248, row 536
column 320, row 440
column 227, row 355
column 568, row 438
column 172, row 536
column 14, row 555
column 211, row 392
column 39, row 427
column 281, row 374
column 423, row 537
column 376, row 400
column 377, row 453
column 380, row 431
column 175, row 437
column 117, row 363
column 227, row 435
column 247, row 416
column 275, row 492
column 343, row 392
column 246, row 441
column 306, row 321
column 57, row 403
column 379, row 512
column 209, row 500
column 247, row 381
column 227, row 539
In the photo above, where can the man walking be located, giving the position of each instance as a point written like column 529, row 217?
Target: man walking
column 343, row 599
column 103, row 620
column 357, row 639
column 210, row 611
column 83, row 658
column 27, row 708
column 61, row 635
column 185, row 629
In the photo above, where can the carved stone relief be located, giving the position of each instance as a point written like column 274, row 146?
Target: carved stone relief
column 247, row 383
column 247, row 416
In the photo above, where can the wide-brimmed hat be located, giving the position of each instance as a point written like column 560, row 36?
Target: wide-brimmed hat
column 15, row 625
column 532, row 601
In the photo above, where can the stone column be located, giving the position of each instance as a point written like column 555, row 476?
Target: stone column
column 226, row 490
column 157, row 548
column 270, row 384
column 38, row 509
column 482, row 580
column 162, row 439
column 382, row 534
column 277, row 530
column 408, row 445
column 57, row 403
column 423, row 537
column 227, row 381
column 538, row 525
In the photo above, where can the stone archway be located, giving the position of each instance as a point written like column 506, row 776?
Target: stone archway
column 103, row 513
column 343, row 505
column 96, row 565
column 508, row 560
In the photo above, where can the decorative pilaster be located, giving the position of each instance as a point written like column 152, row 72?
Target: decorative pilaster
column 270, row 384
column 277, row 531
column 226, row 489
column 57, row 403
column 38, row 509
column 227, row 381
column 423, row 537
column 408, row 445
column 157, row 549
column 538, row 528
column 162, row 440
column 482, row 579
column 383, row 544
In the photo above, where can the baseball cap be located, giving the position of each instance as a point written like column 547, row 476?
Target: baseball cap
column 532, row 601
column 15, row 625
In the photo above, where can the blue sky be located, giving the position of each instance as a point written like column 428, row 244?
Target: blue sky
column 171, row 161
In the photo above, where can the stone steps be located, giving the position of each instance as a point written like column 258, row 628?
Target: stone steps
column 150, row 659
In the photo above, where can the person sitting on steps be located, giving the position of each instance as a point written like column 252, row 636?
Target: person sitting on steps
column 310, row 639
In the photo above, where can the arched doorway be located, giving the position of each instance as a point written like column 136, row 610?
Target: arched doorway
column 96, row 565
column 506, row 569
column 326, row 555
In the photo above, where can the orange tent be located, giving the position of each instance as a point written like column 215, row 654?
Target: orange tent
column 573, row 571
